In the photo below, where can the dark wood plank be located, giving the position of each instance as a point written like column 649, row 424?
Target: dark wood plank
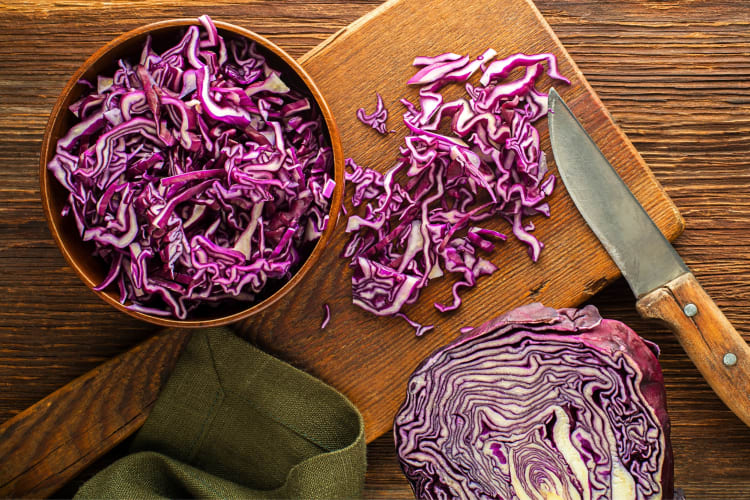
column 674, row 74
column 52, row 441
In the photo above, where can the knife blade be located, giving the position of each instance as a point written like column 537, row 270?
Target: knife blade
column 662, row 283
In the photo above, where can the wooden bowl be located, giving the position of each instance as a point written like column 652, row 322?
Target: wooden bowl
column 78, row 253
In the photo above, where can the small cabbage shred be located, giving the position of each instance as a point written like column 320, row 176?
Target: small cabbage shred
column 539, row 404
column 199, row 174
column 326, row 316
column 377, row 119
column 462, row 163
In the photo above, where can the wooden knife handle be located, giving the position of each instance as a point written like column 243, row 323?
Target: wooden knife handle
column 712, row 343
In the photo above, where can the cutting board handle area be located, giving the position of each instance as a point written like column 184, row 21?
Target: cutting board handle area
column 52, row 441
column 718, row 351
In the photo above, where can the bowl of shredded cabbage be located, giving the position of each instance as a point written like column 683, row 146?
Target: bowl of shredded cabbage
column 191, row 173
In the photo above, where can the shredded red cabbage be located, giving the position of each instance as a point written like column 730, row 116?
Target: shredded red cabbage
column 197, row 172
column 486, row 162
column 378, row 117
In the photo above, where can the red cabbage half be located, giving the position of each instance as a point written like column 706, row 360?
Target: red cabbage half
column 463, row 162
column 538, row 403
column 198, row 173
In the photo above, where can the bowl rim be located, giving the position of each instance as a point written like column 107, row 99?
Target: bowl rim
column 46, row 181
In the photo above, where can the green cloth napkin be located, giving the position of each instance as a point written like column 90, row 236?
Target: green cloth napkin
column 235, row 422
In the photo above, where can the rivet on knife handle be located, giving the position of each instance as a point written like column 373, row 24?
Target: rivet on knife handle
column 714, row 346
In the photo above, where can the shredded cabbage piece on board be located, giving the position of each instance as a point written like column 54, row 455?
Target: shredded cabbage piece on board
column 377, row 119
column 464, row 161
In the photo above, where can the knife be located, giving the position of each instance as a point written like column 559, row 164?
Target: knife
column 663, row 285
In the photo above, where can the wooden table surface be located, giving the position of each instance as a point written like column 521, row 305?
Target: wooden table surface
column 673, row 73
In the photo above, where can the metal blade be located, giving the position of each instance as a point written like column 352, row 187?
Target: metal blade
column 645, row 257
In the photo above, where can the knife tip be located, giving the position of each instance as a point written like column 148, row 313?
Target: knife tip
column 552, row 98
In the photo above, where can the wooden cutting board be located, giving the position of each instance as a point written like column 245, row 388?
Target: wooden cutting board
column 368, row 358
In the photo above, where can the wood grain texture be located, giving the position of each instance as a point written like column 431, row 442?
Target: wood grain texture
column 51, row 442
column 674, row 75
column 706, row 336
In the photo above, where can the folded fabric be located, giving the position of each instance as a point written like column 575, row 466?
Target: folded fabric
column 235, row 422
